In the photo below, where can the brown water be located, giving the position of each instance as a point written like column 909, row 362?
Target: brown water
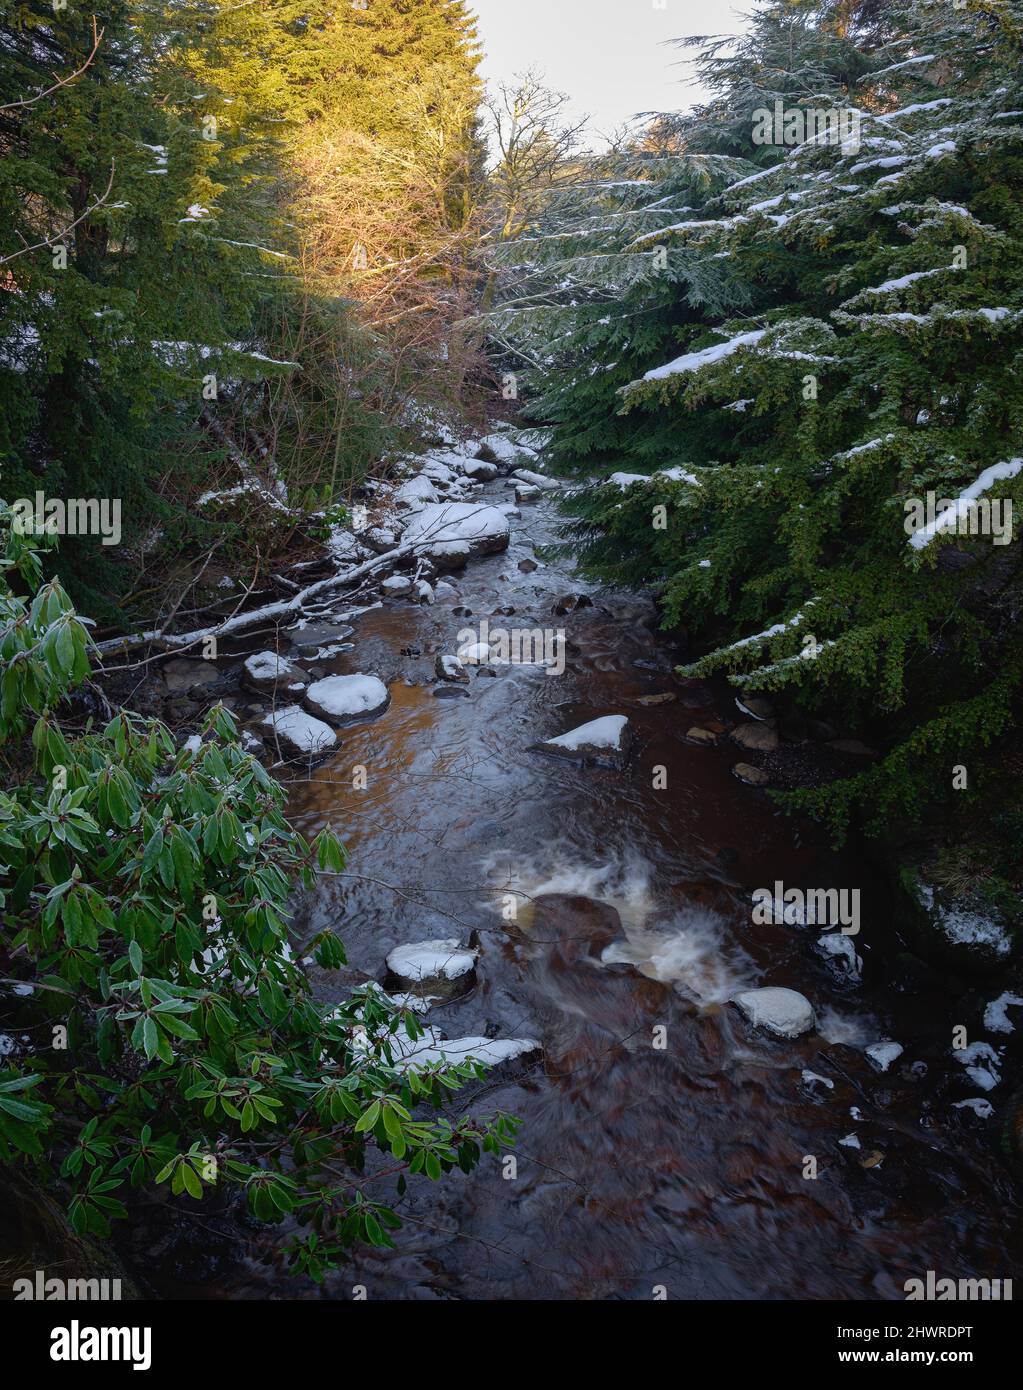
column 637, row 1166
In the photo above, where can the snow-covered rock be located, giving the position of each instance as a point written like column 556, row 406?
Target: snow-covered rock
column 488, row 1052
column 479, row 469
column 450, row 668
column 379, row 539
column 443, row 959
column 474, row 653
column 840, row 954
column 504, row 450
column 784, row 1012
column 344, row 699
column 812, row 1079
column 607, row 737
column 345, row 547
column 299, row 732
column 415, row 492
column 962, row 927
column 980, row 1107
column 439, row 472
column 443, row 968
column 266, row 671
column 883, row 1054
column 996, row 1015
column 396, row 585
column 982, row 1064
column 450, row 532
column 531, row 479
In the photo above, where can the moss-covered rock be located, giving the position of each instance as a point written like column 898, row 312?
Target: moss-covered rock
column 971, row 925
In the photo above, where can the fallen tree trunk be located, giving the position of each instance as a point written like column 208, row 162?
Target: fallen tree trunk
column 284, row 608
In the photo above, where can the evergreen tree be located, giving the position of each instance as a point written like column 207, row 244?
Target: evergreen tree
column 135, row 249
column 833, row 334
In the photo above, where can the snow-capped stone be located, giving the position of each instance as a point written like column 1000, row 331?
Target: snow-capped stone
column 525, row 492
column 415, row 492
column 812, row 1078
column 450, row 668
column 442, row 967
column 503, row 449
column 299, row 732
column 442, row 959
column 883, row 1054
column 439, row 472
column 599, row 738
column 980, row 1107
column 396, row 585
column 488, row 1052
column 345, row 547
column 424, row 591
column 265, row 671
column 453, row 531
column 841, row 954
column 379, row 539
column 784, row 1012
column 479, row 469
column 996, row 1017
column 958, row 924
column 343, row 699
column 474, row 653
column 982, row 1064
column 531, row 479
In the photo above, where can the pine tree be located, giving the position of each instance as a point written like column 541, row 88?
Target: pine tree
column 833, row 334
column 135, row 249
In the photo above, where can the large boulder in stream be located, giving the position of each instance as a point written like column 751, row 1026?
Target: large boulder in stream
column 575, row 927
column 345, row 699
column 451, row 533
column 606, row 740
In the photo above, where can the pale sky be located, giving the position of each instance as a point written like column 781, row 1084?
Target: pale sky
column 611, row 56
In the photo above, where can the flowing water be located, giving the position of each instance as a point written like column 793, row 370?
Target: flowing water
column 684, row 1165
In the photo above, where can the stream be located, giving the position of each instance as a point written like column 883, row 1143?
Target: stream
column 643, row 1170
